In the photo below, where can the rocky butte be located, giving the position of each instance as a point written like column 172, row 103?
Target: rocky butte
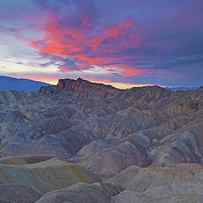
column 86, row 88
column 93, row 143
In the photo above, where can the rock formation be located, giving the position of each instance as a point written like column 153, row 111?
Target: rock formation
column 12, row 193
column 182, row 183
column 103, row 130
column 90, row 193
column 42, row 173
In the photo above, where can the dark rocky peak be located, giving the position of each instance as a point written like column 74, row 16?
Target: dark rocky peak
column 86, row 88
column 149, row 93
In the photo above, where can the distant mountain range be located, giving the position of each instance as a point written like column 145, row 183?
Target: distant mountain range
column 183, row 88
column 9, row 83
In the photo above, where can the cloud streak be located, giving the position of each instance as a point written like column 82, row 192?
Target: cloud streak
column 87, row 46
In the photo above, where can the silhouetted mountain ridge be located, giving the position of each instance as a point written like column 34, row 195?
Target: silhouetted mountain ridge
column 10, row 83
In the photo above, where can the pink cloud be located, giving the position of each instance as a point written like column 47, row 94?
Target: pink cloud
column 105, row 49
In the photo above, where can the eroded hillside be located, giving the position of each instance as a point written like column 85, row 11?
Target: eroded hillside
column 106, row 130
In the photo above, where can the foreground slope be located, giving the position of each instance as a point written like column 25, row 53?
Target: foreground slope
column 182, row 183
column 44, row 174
column 179, row 184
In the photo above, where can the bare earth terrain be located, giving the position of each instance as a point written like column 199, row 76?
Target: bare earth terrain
column 81, row 142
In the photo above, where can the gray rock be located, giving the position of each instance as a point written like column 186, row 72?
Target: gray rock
column 132, row 197
column 108, row 158
column 88, row 193
column 182, row 183
column 12, row 193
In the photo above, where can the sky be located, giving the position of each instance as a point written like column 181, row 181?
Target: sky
column 119, row 42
